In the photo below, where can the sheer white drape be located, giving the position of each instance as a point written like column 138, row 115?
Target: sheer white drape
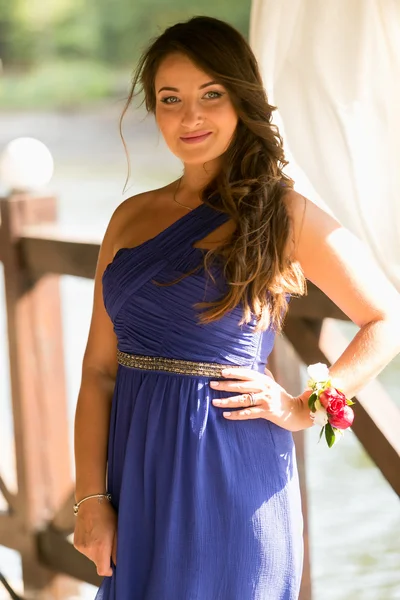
column 332, row 68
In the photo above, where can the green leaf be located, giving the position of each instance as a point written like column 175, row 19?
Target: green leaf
column 320, row 433
column 329, row 435
column 311, row 401
column 349, row 402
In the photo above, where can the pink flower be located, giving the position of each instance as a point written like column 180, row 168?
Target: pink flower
column 333, row 401
column 343, row 418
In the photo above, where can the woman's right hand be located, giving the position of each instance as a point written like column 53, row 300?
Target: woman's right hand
column 95, row 534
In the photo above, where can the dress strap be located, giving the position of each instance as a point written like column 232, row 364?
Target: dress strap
column 205, row 220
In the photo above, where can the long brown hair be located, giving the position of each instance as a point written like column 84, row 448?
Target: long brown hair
column 250, row 185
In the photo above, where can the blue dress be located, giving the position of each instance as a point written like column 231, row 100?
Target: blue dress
column 208, row 509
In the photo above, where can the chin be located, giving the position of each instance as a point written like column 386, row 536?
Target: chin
column 196, row 158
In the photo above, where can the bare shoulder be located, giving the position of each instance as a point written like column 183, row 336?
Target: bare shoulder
column 311, row 228
column 339, row 263
column 141, row 201
column 131, row 212
column 306, row 216
column 130, row 208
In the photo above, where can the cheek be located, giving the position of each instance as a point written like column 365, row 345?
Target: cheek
column 226, row 118
column 233, row 121
column 167, row 123
column 233, row 116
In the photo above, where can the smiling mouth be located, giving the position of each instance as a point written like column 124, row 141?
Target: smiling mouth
column 193, row 139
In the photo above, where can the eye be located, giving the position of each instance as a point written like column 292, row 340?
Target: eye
column 217, row 94
column 168, row 98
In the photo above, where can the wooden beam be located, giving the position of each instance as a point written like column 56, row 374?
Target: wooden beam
column 60, row 555
column 11, row 531
column 61, row 257
column 316, row 306
column 304, row 340
column 64, row 519
column 377, row 418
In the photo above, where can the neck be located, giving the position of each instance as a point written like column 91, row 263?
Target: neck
column 196, row 177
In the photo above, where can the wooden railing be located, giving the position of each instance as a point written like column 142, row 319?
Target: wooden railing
column 39, row 518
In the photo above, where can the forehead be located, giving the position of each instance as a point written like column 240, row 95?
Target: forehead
column 180, row 68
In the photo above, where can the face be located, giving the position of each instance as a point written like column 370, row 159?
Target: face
column 195, row 115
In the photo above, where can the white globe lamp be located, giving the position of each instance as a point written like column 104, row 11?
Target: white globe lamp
column 26, row 164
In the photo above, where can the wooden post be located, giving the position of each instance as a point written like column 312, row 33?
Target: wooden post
column 38, row 395
column 285, row 366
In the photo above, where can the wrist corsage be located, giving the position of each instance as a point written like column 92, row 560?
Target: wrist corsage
column 328, row 405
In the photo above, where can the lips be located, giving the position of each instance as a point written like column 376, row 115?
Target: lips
column 196, row 137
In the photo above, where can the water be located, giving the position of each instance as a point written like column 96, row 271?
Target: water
column 354, row 515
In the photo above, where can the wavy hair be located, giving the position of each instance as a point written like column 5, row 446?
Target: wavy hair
column 250, row 185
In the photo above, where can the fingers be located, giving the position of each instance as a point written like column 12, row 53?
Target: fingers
column 98, row 551
column 100, row 555
column 240, row 400
column 240, row 386
column 241, row 373
column 102, row 562
column 255, row 412
column 243, row 380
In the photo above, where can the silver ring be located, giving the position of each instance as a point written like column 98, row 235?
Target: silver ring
column 252, row 400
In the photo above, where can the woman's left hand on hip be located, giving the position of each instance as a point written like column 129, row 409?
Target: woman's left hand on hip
column 270, row 400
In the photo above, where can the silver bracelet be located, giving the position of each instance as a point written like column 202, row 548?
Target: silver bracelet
column 77, row 505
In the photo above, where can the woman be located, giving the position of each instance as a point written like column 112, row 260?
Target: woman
column 201, row 465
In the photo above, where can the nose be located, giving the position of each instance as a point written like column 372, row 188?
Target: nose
column 191, row 115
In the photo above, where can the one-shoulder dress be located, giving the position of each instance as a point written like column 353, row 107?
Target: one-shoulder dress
column 208, row 509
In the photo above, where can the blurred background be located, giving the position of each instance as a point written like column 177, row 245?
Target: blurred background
column 65, row 74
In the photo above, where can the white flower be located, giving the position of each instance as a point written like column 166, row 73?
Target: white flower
column 318, row 372
column 320, row 417
column 338, row 435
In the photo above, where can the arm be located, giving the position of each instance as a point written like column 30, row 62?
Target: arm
column 96, row 390
column 343, row 268
column 95, row 527
column 99, row 369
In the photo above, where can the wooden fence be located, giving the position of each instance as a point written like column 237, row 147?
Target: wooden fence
column 39, row 520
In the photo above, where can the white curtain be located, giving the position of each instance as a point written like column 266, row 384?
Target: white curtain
column 332, row 67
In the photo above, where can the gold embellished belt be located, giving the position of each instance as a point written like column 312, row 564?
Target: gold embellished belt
column 172, row 365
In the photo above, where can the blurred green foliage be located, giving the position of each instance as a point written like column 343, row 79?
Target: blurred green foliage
column 64, row 85
column 67, row 52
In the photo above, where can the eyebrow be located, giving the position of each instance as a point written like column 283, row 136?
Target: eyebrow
column 173, row 89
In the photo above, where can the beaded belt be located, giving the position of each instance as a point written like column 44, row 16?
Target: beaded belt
column 172, row 365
